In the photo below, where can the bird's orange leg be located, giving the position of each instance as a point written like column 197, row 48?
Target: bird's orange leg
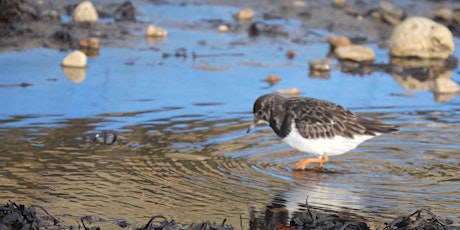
column 302, row 164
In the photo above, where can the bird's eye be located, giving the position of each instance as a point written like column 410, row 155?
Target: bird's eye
column 260, row 113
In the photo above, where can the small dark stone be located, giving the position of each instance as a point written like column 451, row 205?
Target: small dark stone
column 125, row 12
column 106, row 138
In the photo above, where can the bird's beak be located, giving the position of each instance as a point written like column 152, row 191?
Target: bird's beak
column 251, row 126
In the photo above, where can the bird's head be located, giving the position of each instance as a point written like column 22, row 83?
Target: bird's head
column 263, row 109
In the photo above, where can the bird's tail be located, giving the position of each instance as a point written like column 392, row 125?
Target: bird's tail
column 376, row 127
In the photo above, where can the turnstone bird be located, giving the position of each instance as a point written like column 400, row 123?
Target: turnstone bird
column 315, row 126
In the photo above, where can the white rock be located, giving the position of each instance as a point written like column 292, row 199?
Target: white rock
column 75, row 59
column 320, row 64
column 357, row 53
column 292, row 92
column 245, row 14
column 222, row 28
column 85, row 12
column 154, row 31
column 421, row 37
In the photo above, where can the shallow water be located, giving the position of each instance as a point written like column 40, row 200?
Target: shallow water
column 182, row 149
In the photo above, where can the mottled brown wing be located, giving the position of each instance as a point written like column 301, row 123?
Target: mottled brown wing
column 322, row 119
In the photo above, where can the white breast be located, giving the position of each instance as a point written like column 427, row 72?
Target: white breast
column 324, row 146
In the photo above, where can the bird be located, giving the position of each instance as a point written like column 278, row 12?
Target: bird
column 315, row 126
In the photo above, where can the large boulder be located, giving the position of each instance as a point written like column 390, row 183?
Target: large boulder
column 422, row 38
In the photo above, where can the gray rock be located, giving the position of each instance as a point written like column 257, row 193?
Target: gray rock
column 421, row 37
column 390, row 13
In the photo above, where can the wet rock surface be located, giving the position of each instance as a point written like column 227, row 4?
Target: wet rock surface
column 18, row 216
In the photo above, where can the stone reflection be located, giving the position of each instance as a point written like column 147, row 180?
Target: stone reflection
column 426, row 74
column 76, row 75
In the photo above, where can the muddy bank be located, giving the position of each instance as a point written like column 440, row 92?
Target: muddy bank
column 27, row 24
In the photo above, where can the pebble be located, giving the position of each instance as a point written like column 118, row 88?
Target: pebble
column 125, row 12
column 75, row 59
column 50, row 15
column 154, row 31
column 222, row 28
column 273, row 79
column 390, row 13
column 356, row 53
column 245, row 14
column 320, row 64
column 85, row 12
column 295, row 4
column 290, row 54
column 299, row 4
column 91, row 43
column 339, row 3
column 337, row 41
column 445, row 14
column 456, row 15
column 376, row 15
column 292, row 92
column 421, row 37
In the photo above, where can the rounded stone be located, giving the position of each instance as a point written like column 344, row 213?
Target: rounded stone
column 75, row 59
column 320, row 64
column 338, row 41
column 85, row 12
column 299, row 4
column 421, row 37
column 339, row 3
column 356, row 53
column 91, row 43
column 154, row 31
column 445, row 14
column 273, row 79
column 292, row 92
column 390, row 13
column 245, row 14
column 223, row 28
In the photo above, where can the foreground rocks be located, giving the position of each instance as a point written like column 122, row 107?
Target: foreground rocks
column 17, row 216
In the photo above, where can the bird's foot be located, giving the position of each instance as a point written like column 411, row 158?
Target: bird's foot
column 302, row 164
